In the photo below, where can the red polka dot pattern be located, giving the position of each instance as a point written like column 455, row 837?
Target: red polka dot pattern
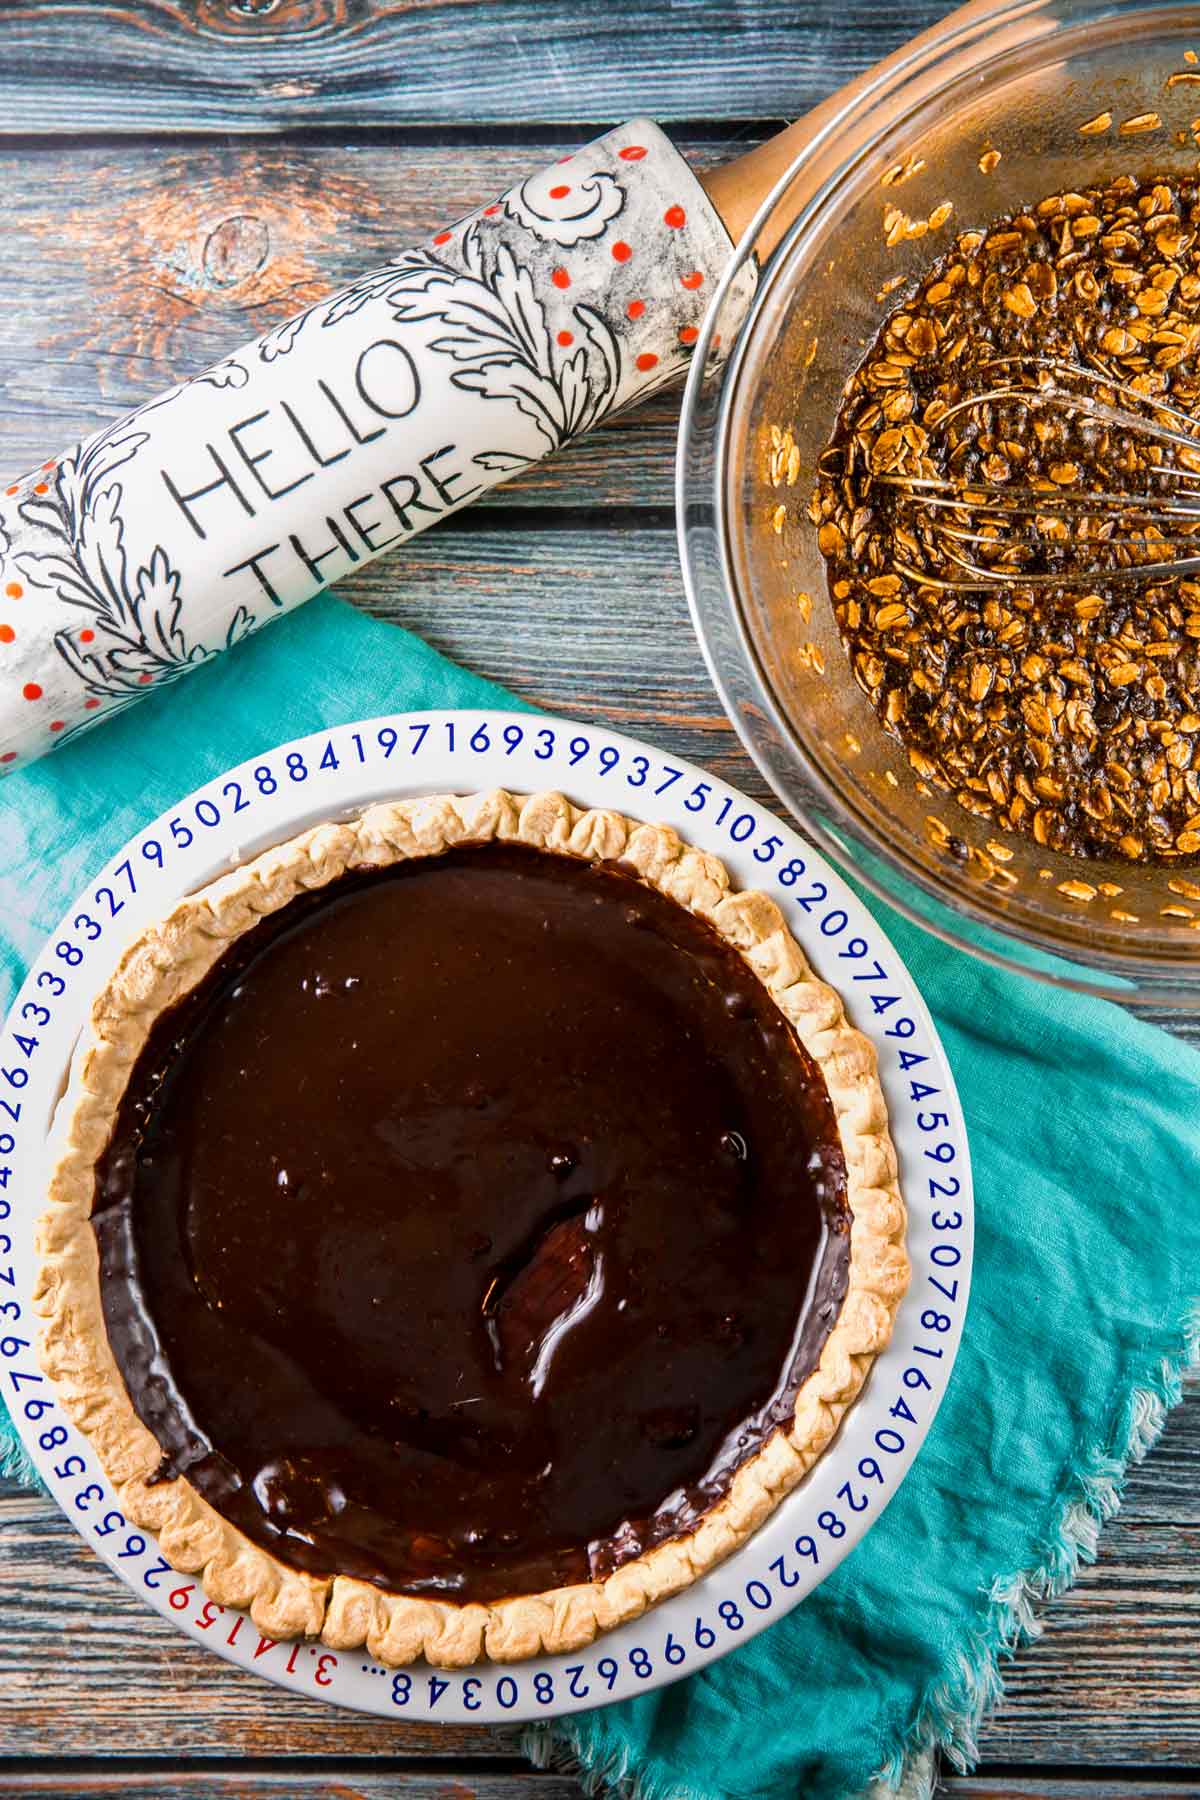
column 560, row 192
column 560, row 278
column 57, row 724
column 694, row 280
column 9, row 756
column 90, row 705
column 675, row 217
column 14, row 590
column 621, row 251
column 647, row 360
column 688, row 334
column 632, row 153
column 32, row 691
column 7, row 634
column 39, row 487
column 565, row 338
column 443, row 237
column 86, row 635
column 145, row 680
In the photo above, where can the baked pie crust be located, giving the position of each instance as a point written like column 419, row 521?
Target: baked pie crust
column 171, row 957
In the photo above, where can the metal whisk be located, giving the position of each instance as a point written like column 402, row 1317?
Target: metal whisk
column 997, row 533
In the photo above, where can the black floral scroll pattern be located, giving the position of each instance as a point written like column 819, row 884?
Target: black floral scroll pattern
column 594, row 203
column 377, row 285
column 133, row 613
column 501, row 341
column 498, row 335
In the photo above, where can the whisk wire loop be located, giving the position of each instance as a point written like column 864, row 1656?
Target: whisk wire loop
column 1070, row 530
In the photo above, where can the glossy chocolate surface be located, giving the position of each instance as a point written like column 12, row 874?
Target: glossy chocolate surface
column 470, row 1224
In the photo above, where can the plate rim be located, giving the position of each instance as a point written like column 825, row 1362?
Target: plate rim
column 210, row 850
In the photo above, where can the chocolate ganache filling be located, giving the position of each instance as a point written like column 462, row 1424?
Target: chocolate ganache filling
column 470, row 1223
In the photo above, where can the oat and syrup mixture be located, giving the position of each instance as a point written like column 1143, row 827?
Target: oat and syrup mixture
column 1072, row 716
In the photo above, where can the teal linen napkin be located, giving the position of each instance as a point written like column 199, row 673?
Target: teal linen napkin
column 1085, row 1134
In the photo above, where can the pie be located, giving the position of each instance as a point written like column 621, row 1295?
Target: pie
column 467, row 1222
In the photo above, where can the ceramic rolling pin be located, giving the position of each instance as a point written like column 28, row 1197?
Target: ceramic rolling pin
column 173, row 533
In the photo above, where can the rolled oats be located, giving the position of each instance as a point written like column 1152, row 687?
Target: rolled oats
column 1073, row 718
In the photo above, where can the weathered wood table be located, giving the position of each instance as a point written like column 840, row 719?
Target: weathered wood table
column 179, row 174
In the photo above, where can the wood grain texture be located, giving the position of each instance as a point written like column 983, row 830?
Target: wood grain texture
column 135, row 256
column 588, row 622
column 126, row 65
column 1115, row 1679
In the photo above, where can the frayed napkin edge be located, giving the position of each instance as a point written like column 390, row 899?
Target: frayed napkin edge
column 954, row 1710
column 16, row 1464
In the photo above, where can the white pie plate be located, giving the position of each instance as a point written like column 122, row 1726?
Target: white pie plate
column 335, row 773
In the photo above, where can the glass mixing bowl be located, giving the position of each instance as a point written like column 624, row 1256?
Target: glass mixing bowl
column 1020, row 78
